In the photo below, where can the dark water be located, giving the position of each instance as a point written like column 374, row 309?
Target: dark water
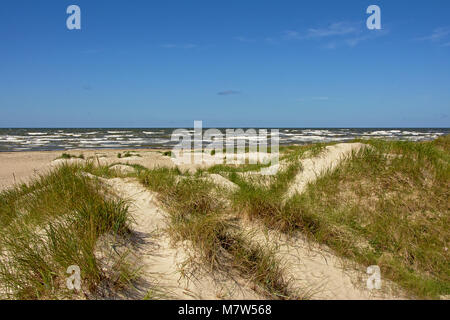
column 66, row 139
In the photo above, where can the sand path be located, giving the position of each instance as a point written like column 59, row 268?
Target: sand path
column 312, row 168
column 162, row 263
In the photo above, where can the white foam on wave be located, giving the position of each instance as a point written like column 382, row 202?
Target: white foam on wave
column 411, row 133
column 113, row 136
column 308, row 138
column 14, row 138
column 35, row 142
column 115, row 132
column 37, row 133
column 159, row 141
column 252, row 138
column 70, row 134
column 379, row 133
column 316, row 132
column 93, row 141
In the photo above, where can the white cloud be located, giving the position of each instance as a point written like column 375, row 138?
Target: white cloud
column 437, row 35
column 332, row 36
column 292, row 35
column 334, row 29
column 178, row 46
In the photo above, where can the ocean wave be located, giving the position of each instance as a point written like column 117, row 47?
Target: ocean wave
column 113, row 136
column 115, row 132
column 22, row 139
column 37, row 133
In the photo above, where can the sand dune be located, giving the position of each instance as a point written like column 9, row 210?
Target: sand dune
column 327, row 160
column 316, row 272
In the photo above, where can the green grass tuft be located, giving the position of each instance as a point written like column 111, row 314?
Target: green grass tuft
column 50, row 224
column 70, row 156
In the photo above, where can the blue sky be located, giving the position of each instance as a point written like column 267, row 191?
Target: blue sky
column 229, row 63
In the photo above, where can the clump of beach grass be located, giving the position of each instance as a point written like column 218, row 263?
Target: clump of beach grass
column 71, row 156
column 52, row 223
column 263, row 201
column 128, row 154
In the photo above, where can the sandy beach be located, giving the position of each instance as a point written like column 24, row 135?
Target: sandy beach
column 17, row 167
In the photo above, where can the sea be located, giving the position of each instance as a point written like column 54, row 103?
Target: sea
column 16, row 140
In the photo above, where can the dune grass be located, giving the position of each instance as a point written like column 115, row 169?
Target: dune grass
column 262, row 198
column 52, row 223
column 71, row 156
column 387, row 205
column 197, row 214
column 128, row 154
column 226, row 168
